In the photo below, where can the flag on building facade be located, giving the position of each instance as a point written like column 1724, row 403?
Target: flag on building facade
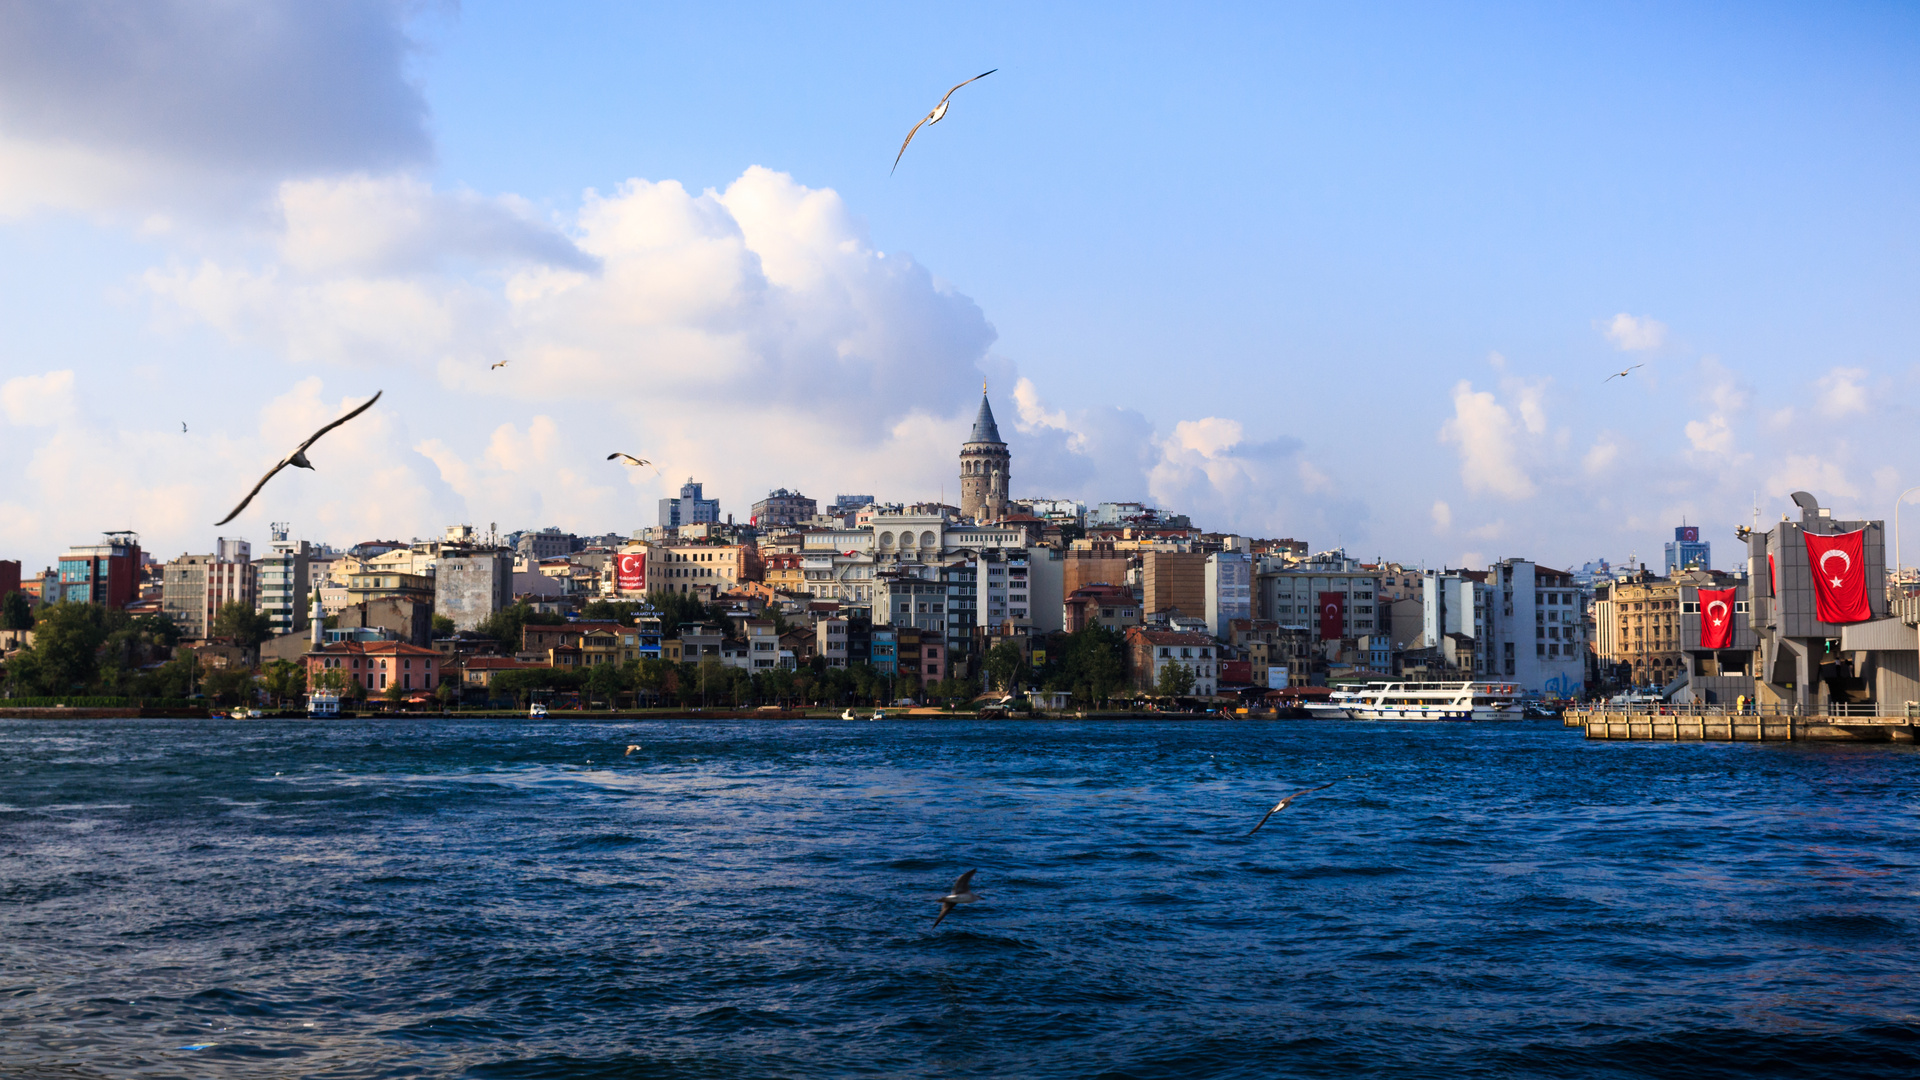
column 1773, row 588
column 1333, row 610
column 1716, row 618
column 1839, row 567
column 632, row 572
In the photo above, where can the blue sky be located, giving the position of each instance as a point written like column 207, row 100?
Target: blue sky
column 1353, row 275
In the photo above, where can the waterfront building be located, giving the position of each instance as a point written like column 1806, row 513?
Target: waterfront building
column 285, row 588
column 1291, row 593
column 376, row 665
column 1149, row 651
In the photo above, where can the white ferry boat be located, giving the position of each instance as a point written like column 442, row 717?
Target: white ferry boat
column 1437, row 701
column 1339, row 705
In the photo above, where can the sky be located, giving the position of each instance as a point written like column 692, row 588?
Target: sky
column 1350, row 274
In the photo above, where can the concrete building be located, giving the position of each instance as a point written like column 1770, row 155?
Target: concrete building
column 194, row 588
column 1173, row 581
column 285, row 587
column 1149, row 651
column 1688, row 551
column 986, row 468
column 1538, row 633
column 1111, row 606
column 1097, row 563
column 1229, row 590
column 783, row 507
column 547, row 543
column 1644, row 628
column 470, row 586
column 1289, row 594
column 107, row 573
column 691, row 508
column 690, row 567
column 407, row 618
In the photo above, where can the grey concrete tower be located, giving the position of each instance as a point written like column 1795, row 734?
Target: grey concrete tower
column 985, row 468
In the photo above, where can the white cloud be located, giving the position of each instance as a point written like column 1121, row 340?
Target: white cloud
column 1487, row 436
column 1630, row 333
column 398, row 224
column 1820, row 474
column 1601, row 456
column 1843, row 391
column 1442, row 516
column 1710, row 436
column 38, row 400
column 137, row 104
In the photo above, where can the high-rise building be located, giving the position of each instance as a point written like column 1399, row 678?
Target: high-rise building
column 106, row 573
column 691, row 508
column 1688, row 551
column 1229, row 581
column 284, row 581
column 193, row 588
column 986, row 468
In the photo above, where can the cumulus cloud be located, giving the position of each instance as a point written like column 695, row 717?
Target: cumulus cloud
column 108, row 105
column 1710, row 436
column 38, row 400
column 1630, row 333
column 1488, row 440
column 1843, row 391
column 1442, row 516
column 1601, row 455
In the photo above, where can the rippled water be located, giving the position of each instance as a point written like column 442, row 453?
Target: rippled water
column 496, row 899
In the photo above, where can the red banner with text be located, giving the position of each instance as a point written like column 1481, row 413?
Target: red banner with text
column 1839, row 567
column 1333, row 610
column 632, row 572
column 1716, row 618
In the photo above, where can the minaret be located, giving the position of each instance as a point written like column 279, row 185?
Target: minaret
column 985, row 468
column 315, row 621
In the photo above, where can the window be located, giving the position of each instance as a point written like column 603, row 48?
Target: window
column 1539, row 650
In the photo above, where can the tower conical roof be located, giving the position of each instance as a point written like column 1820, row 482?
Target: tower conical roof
column 984, row 429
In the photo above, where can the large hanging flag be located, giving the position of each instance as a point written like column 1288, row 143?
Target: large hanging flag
column 1773, row 586
column 1716, row 618
column 631, row 572
column 1839, row 567
column 1333, row 609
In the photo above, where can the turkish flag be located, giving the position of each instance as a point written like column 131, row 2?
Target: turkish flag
column 1773, row 588
column 632, row 571
column 1839, row 567
column 1333, row 609
column 1716, row 618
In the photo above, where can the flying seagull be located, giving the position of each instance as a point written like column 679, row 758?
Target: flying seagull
column 631, row 749
column 933, row 117
column 497, row 366
column 1620, row 374
column 961, row 893
column 298, row 459
column 1283, row 803
column 183, row 427
column 628, row 458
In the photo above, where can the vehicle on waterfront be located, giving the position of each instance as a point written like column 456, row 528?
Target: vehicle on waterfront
column 536, row 711
column 1338, row 705
column 1437, row 701
column 323, row 703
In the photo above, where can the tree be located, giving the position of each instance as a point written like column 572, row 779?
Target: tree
column 1005, row 663
column 446, row 693
column 394, row 695
column 1090, row 664
column 231, row 686
column 241, row 625
column 676, row 608
column 608, row 611
column 506, row 626
column 16, row 612
column 66, row 647
column 442, row 626
column 1176, row 680
column 605, row 682
column 284, row 679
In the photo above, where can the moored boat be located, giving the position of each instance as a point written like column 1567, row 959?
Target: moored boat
column 1437, row 701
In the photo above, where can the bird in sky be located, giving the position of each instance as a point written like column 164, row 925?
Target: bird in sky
column 933, row 117
column 497, row 366
column 298, row 459
column 1621, row 373
column 1284, row 803
column 628, row 458
column 961, row 893
column 183, row 427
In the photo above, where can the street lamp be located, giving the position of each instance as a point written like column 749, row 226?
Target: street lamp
column 1896, row 531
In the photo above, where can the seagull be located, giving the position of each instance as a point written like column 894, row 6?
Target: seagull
column 497, row 366
column 1283, row 803
column 1620, row 374
column 628, row 458
column 298, row 459
column 933, row 117
column 962, row 891
column 183, row 427
column 631, row 749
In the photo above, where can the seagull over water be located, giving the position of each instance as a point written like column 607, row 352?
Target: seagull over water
column 1622, row 373
column 1284, row 803
column 961, row 893
column 298, row 459
column 933, row 117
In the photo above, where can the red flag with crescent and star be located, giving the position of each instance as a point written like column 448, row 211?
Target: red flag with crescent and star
column 1333, row 609
column 1716, row 618
column 631, row 572
column 1839, row 567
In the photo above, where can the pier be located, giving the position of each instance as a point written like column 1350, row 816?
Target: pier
column 1711, row 723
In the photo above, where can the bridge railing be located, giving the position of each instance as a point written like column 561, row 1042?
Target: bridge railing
column 1872, row 709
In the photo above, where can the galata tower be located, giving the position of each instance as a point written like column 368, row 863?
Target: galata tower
column 985, row 468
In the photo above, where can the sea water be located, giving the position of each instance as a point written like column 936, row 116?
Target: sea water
column 403, row 898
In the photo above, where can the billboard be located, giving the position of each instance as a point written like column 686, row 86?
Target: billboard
column 631, row 572
column 1277, row 677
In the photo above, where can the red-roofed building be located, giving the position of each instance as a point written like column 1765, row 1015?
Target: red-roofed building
column 377, row 665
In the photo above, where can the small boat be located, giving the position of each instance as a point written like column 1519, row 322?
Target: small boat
column 877, row 715
column 537, row 711
column 323, row 703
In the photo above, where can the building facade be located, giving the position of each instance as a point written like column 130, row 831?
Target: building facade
column 107, row 573
column 691, row 508
column 285, row 585
column 1149, row 651
column 1229, row 590
column 470, row 586
column 1688, row 551
column 782, row 507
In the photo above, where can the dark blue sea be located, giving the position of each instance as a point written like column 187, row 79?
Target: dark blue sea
column 755, row 899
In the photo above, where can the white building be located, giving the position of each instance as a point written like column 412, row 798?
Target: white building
column 1229, row 590
column 284, row 584
column 1526, row 622
column 1290, row 595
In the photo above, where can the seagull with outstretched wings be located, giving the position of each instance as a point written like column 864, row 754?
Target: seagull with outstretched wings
column 933, row 117
column 298, row 459
column 1621, row 373
column 961, row 893
column 498, row 366
column 1284, row 803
